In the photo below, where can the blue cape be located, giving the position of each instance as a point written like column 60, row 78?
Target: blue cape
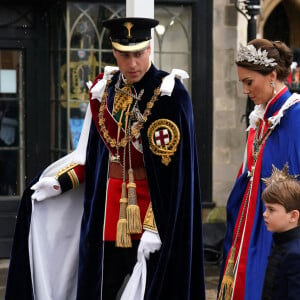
column 282, row 146
column 177, row 272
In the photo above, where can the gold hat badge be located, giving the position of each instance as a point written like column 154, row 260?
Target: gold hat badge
column 128, row 26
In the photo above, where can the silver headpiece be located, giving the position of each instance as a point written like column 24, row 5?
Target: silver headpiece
column 257, row 57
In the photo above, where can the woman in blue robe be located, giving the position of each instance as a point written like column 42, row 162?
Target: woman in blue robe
column 273, row 138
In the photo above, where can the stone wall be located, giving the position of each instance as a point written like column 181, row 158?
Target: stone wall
column 229, row 135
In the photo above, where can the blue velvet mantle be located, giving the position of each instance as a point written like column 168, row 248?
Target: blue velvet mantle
column 175, row 194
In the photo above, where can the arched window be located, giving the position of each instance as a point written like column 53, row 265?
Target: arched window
column 81, row 49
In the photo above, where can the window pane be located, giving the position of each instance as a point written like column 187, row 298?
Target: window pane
column 9, row 127
column 11, row 123
column 8, row 81
column 9, row 171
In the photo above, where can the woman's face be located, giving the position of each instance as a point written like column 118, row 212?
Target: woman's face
column 257, row 86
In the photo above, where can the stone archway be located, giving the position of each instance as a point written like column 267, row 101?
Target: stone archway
column 266, row 9
column 277, row 25
column 290, row 9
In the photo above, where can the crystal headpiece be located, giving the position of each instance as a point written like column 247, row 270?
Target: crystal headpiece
column 257, row 57
column 279, row 175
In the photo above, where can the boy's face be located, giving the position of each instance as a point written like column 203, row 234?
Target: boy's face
column 277, row 219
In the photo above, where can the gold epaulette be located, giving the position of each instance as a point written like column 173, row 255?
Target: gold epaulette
column 149, row 221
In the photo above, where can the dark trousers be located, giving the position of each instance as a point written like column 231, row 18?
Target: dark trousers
column 118, row 266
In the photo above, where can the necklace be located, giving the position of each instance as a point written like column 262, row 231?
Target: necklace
column 136, row 127
column 124, row 96
column 259, row 139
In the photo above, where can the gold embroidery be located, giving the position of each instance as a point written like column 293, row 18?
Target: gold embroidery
column 66, row 169
column 149, row 221
column 279, row 175
column 135, row 128
column 164, row 136
column 122, row 100
column 73, row 178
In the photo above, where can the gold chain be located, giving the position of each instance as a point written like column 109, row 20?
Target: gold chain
column 122, row 100
column 136, row 127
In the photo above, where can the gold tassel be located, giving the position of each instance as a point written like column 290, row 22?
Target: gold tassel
column 133, row 211
column 226, row 288
column 123, row 238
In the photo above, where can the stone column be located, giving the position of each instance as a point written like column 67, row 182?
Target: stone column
column 143, row 9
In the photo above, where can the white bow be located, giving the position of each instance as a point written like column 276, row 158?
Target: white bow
column 169, row 81
column 98, row 89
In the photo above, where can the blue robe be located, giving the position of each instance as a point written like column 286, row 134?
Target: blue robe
column 177, row 270
column 281, row 146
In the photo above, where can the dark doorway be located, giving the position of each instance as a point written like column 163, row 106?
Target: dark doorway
column 24, row 108
column 277, row 25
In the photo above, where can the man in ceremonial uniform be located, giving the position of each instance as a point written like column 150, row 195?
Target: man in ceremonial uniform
column 120, row 217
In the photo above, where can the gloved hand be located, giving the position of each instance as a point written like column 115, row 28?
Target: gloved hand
column 135, row 288
column 149, row 243
column 45, row 188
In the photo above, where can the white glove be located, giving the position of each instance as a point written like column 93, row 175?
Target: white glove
column 149, row 243
column 45, row 188
column 135, row 288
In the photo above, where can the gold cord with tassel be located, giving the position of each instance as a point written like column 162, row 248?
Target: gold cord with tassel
column 227, row 284
column 133, row 210
column 123, row 238
column 129, row 219
column 226, row 288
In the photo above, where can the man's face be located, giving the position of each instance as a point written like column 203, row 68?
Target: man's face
column 133, row 65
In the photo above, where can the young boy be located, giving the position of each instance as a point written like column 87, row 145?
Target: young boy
column 282, row 202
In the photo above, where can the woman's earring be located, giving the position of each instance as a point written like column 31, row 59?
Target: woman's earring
column 273, row 86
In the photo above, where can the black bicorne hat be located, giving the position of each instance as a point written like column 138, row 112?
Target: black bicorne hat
column 130, row 34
